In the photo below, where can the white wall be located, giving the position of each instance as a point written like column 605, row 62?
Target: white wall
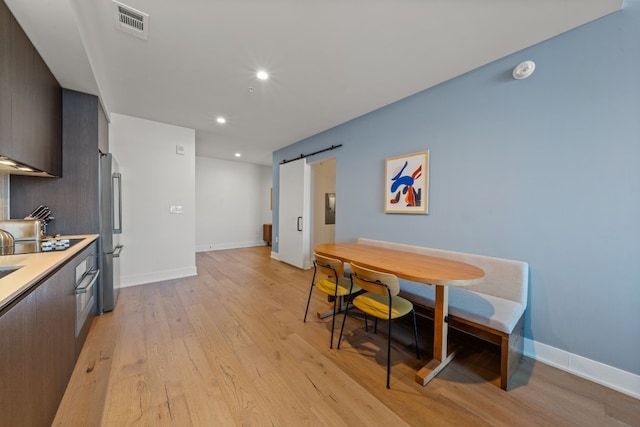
column 232, row 203
column 158, row 245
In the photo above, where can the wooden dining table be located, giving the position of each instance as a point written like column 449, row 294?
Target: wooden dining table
column 435, row 271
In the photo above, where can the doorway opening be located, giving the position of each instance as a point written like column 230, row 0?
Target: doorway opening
column 307, row 209
column 323, row 202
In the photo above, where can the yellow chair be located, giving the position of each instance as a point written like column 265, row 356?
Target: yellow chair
column 381, row 301
column 328, row 277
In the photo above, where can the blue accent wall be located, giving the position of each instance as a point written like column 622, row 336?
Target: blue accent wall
column 544, row 170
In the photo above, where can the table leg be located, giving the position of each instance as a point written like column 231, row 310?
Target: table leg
column 441, row 357
column 329, row 310
column 440, row 330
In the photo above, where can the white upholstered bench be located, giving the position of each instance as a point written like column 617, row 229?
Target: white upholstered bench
column 492, row 310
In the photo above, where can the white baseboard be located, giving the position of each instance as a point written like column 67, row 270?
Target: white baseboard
column 274, row 255
column 614, row 378
column 158, row 276
column 232, row 245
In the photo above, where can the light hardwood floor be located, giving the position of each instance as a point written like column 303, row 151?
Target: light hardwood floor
column 229, row 348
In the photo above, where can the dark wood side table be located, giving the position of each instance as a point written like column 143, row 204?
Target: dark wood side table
column 266, row 233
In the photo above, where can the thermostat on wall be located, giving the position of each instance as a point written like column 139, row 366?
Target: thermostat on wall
column 180, row 149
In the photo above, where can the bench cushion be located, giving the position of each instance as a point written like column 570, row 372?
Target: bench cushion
column 487, row 310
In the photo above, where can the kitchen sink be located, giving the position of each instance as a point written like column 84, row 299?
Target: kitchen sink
column 5, row 271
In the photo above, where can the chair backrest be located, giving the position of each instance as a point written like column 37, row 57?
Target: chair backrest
column 375, row 281
column 328, row 267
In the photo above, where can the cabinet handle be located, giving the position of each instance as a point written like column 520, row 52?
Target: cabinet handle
column 299, row 221
column 91, row 277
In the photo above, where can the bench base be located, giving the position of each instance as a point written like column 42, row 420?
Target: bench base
column 511, row 345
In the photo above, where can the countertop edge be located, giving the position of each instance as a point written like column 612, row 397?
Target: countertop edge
column 35, row 267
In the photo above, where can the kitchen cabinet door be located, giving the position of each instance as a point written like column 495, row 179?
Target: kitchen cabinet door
column 36, row 107
column 5, row 80
column 74, row 200
column 47, row 110
column 30, row 101
column 19, row 363
column 22, row 99
column 49, row 387
column 37, row 351
column 55, row 308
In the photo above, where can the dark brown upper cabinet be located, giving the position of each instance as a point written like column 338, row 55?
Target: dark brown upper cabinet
column 5, row 78
column 74, row 198
column 30, row 102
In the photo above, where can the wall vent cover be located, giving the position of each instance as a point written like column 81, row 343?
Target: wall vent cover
column 131, row 21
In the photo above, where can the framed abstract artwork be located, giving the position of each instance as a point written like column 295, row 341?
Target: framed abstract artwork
column 406, row 183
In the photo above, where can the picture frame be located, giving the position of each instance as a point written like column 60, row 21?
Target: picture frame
column 329, row 208
column 406, row 183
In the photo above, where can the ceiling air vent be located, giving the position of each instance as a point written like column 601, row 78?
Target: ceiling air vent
column 132, row 21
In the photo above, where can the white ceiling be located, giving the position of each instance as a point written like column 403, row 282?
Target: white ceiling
column 330, row 60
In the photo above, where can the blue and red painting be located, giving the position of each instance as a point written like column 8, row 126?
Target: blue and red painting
column 406, row 183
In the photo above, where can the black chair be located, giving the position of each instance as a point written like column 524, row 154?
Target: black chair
column 381, row 301
column 328, row 277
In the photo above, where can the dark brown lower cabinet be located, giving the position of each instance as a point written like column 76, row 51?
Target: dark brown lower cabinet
column 18, row 356
column 38, row 349
column 55, row 306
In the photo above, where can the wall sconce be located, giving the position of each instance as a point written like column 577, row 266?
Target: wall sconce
column 524, row 70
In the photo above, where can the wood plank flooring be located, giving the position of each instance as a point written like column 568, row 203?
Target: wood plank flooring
column 229, row 348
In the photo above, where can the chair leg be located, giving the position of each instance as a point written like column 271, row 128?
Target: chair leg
column 366, row 323
column 333, row 319
column 388, row 353
column 415, row 333
column 308, row 301
column 313, row 281
column 344, row 320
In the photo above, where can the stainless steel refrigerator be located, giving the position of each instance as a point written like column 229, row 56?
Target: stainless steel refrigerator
column 110, row 188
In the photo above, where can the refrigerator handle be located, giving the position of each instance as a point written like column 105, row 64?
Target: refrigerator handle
column 116, row 251
column 117, row 203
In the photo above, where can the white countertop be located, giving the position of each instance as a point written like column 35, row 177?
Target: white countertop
column 35, row 267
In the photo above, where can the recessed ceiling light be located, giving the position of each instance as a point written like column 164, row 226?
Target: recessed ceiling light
column 221, row 120
column 262, row 75
column 238, row 154
column 24, row 168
